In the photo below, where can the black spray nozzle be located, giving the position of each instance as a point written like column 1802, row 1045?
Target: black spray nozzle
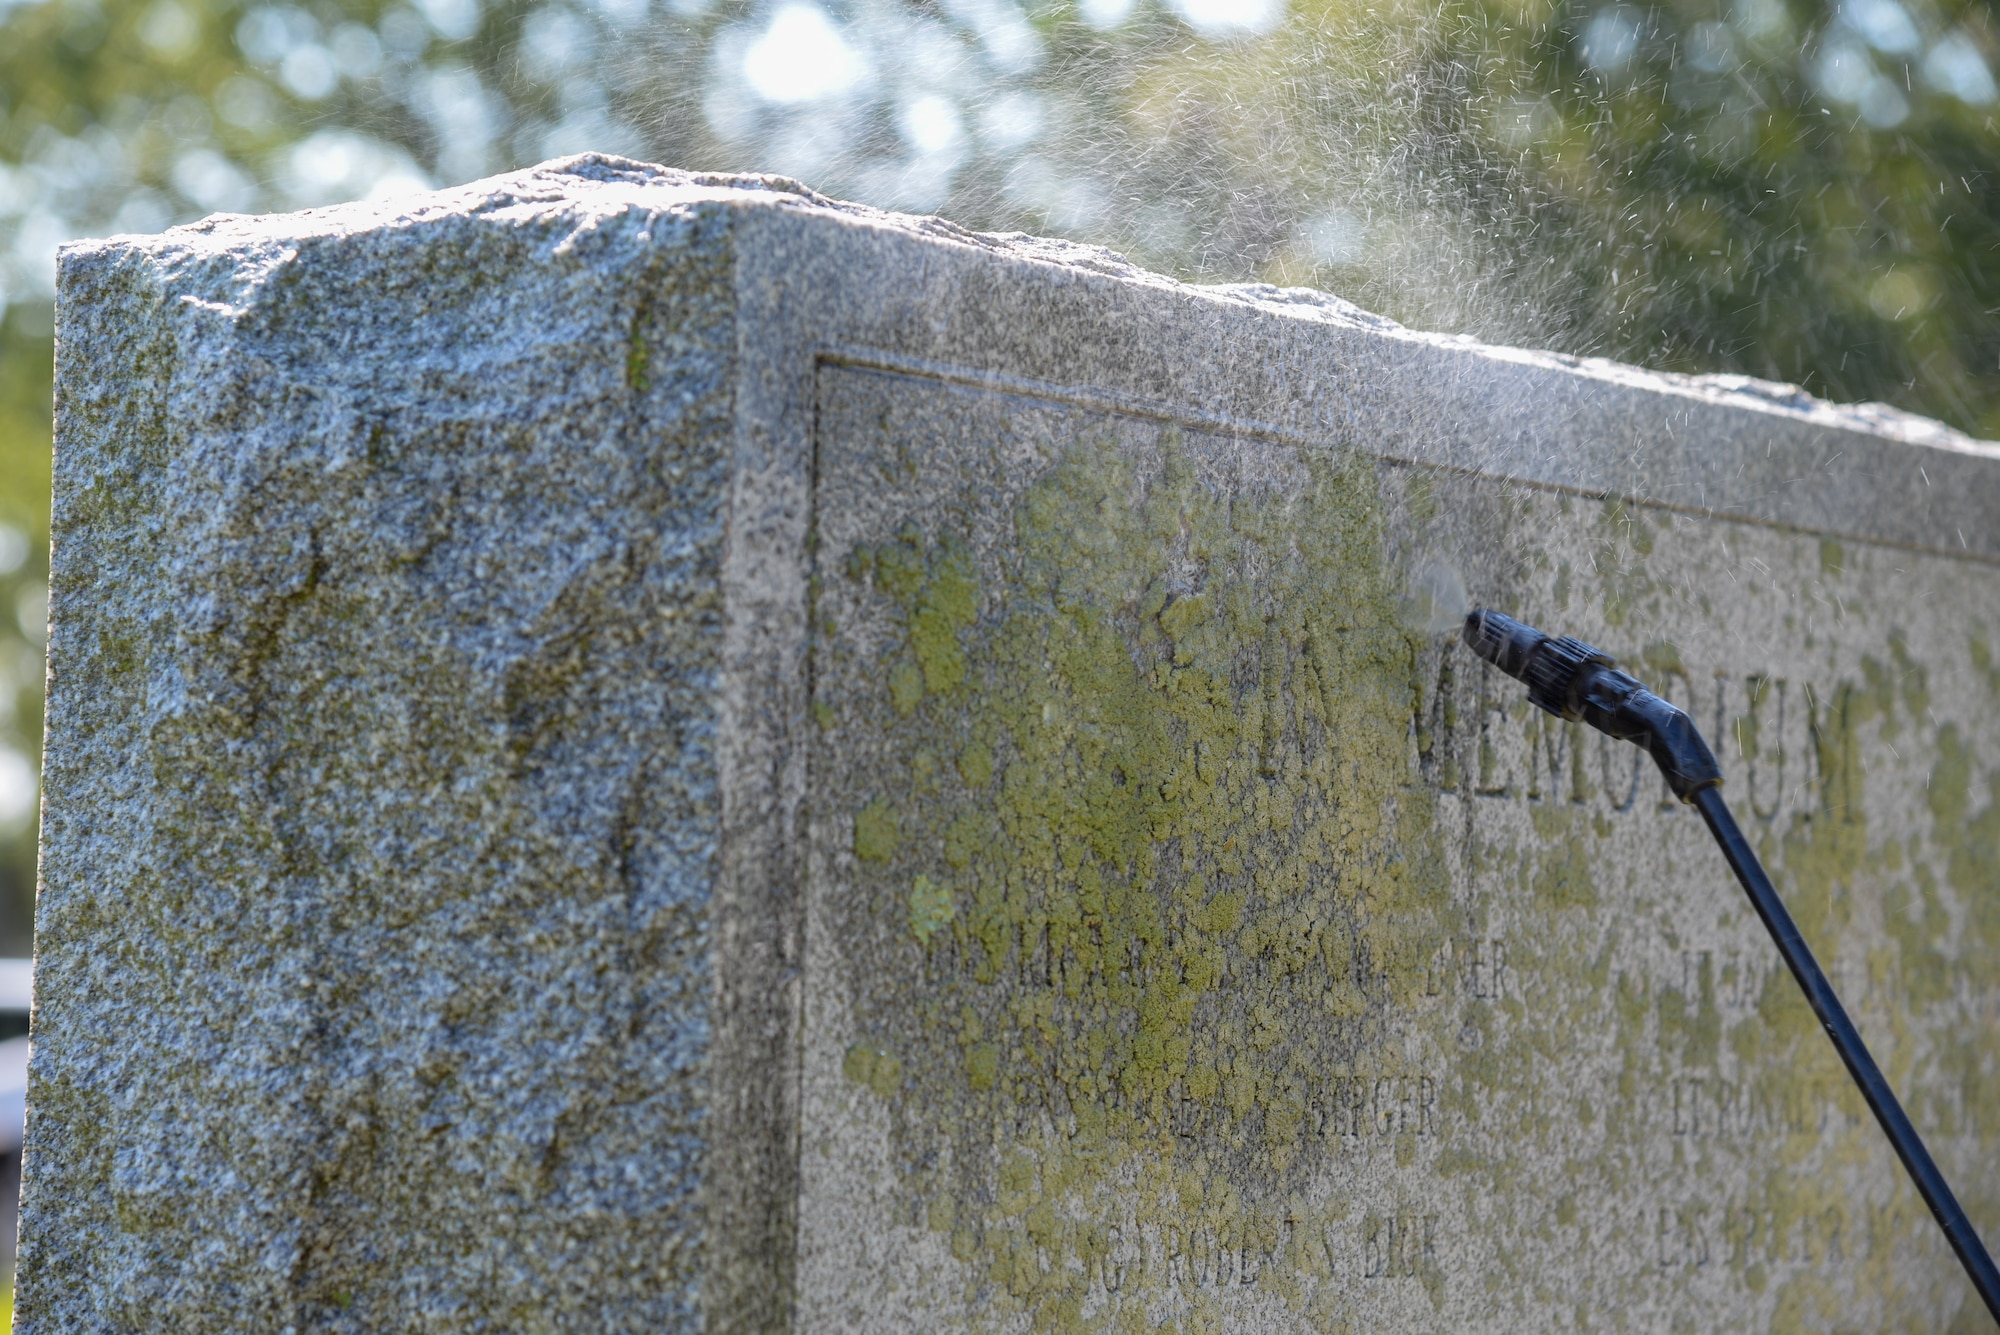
column 1573, row 680
column 1581, row 683
column 1502, row 641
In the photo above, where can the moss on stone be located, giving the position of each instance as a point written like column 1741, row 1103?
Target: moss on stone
column 877, row 831
column 1180, row 724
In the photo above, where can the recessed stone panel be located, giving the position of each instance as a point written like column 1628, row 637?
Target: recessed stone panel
column 1198, row 933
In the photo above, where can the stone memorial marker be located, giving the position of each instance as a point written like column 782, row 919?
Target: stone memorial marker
column 636, row 751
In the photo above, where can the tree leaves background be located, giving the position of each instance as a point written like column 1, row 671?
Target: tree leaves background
column 1790, row 189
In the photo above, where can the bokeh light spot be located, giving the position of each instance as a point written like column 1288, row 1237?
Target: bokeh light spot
column 1610, row 40
column 1231, row 18
column 1883, row 24
column 1955, row 66
column 801, row 57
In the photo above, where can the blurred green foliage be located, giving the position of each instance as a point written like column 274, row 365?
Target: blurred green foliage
column 24, row 492
column 1776, row 195
column 1793, row 189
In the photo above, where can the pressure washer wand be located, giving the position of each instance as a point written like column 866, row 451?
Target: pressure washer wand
column 1578, row 682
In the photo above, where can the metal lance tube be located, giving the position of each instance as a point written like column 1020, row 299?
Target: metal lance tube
column 1580, row 683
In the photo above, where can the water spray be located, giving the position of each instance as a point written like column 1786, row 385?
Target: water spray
column 1580, row 683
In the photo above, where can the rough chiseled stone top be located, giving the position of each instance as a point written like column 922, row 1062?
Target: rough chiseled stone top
column 586, row 191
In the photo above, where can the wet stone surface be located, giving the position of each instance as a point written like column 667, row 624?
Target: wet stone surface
column 1202, row 937
column 631, row 751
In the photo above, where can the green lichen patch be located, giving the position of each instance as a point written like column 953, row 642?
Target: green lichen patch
column 1176, row 877
column 877, row 831
column 930, row 907
column 874, row 1068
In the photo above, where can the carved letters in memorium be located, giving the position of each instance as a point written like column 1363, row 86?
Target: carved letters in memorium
column 1111, row 899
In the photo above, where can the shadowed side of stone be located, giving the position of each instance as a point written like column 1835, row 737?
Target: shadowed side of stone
column 380, row 775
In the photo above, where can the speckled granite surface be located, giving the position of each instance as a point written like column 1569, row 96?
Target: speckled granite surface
column 382, row 783
column 634, row 751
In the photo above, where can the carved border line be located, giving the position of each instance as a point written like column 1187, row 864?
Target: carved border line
column 1105, row 400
